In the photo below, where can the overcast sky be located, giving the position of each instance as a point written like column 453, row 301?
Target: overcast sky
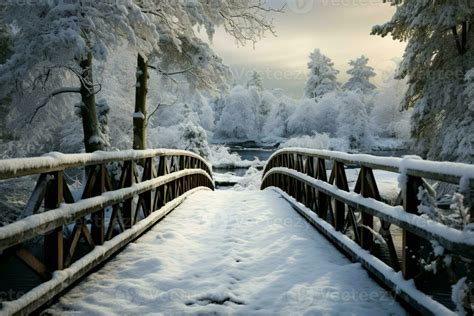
column 340, row 28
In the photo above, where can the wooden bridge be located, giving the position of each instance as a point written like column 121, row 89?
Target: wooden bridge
column 66, row 236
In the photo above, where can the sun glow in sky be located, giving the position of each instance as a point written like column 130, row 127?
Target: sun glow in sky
column 340, row 28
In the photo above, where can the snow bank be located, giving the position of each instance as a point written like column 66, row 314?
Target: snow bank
column 221, row 158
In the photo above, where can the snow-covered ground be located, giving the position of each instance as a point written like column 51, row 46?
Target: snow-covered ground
column 228, row 252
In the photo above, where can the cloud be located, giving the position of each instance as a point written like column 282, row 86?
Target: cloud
column 340, row 28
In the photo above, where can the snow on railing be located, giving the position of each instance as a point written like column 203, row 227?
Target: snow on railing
column 111, row 210
column 375, row 226
column 16, row 167
column 452, row 172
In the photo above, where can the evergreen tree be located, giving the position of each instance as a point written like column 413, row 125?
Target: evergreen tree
column 322, row 77
column 255, row 81
column 360, row 76
column 438, row 54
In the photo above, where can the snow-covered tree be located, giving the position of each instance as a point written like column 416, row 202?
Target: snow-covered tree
column 255, row 80
column 57, row 40
column 353, row 120
column 360, row 75
column 194, row 139
column 267, row 102
column 183, row 53
column 320, row 117
column 322, row 77
column 239, row 117
column 438, row 54
column 276, row 125
column 387, row 119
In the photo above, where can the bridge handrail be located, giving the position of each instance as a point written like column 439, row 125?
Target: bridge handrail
column 451, row 239
column 302, row 176
column 165, row 179
column 55, row 161
column 451, row 172
column 31, row 226
column 47, row 291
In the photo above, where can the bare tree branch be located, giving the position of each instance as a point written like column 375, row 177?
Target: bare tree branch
column 156, row 110
column 52, row 95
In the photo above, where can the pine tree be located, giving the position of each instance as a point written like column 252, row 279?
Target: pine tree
column 360, row 76
column 438, row 54
column 322, row 77
column 255, row 80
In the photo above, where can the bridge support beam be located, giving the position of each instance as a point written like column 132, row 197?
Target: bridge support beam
column 411, row 242
column 97, row 218
column 54, row 240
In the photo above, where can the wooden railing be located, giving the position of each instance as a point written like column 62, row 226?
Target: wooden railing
column 329, row 205
column 111, row 211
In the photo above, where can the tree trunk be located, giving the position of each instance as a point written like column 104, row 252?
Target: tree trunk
column 140, row 116
column 90, row 123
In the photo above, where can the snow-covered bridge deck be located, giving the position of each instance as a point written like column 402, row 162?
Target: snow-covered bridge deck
column 230, row 252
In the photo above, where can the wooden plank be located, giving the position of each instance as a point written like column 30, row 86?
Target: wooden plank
column 67, row 195
column 387, row 236
column 411, row 244
column 87, row 235
column 340, row 207
column 90, row 183
column 367, row 240
column 33, row 263
column 113, row 222
column 323, row 199
column 98, row 217
column 36, row 198
column 128, row 180
column 72, row 243
column 53, row 240
column 147, row 196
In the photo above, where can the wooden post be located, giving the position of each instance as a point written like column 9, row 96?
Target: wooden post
column 323, row 199
column 147, row 196
column 54, row 240
column 128, row 178
column 411, row 242
column 97, row 218
column 341, row 183
column 367, row 220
